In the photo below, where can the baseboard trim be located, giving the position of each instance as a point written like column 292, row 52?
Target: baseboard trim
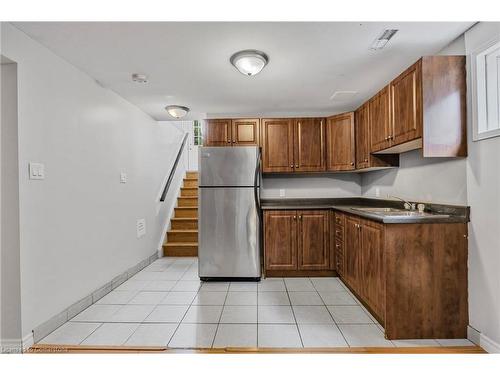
column 482, row 340
column 70, row 312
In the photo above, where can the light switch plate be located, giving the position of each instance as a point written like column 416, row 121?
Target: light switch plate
column 123, row 178
column 377, row 192
column 141, row 228
column 36, row 171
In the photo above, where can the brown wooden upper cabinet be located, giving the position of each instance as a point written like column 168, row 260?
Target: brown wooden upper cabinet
column 232, row 132
column 379, row 119
column 277, row 145
column 309, row 145
column 296, row 240
column 361, row 119
column 424, row 107
column 245, row 132
column 340, row 144
column 364, row 158
column 293, row 145
column 217, row 133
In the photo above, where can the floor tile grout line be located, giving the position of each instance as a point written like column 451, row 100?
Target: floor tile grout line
column 294, row 317
column 90, row 334
column 220, row 316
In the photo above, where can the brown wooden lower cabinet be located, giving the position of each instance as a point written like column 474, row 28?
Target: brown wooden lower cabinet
column 412, row 277
column 297, row 242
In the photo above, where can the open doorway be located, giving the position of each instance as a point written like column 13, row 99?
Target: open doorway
column 193, row 128
column 10, row 274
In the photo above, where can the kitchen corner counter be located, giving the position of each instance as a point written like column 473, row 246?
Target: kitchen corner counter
column 437, row 213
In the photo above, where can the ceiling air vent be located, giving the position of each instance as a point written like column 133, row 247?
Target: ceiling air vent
column 382, row 40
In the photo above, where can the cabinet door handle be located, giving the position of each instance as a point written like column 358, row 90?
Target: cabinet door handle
column 366, row 160
column 296, row 165
column 234, row 141
column 294, row 217
column 300, row 217
column 229, row 141
column 291, row 166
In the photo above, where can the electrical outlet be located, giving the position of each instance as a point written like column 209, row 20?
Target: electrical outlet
column 282, row 193
column 123, row 178
column 377, row 192
column 141, row 228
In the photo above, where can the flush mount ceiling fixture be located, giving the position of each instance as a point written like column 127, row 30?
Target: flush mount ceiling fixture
column 177, row 111
column 249, row 62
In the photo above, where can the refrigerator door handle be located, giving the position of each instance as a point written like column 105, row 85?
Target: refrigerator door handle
column 256, row 184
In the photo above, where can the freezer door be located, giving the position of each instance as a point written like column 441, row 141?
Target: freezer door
column 229, row 230
column 227, row 166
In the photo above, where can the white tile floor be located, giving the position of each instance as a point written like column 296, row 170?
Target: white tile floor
column 166, row 305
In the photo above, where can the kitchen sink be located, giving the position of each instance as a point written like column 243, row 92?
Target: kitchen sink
column 396, row 212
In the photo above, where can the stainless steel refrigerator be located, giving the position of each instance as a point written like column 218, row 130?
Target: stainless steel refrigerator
column 229, row 213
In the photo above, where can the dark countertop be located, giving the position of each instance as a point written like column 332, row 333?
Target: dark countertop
column 456, row 214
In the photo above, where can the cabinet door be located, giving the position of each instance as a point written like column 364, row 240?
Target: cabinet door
column 313, row 251
column 362, row 137
column 309, row 150
column 373, row 266
column 380, row 120
column 280, row 240
column 352, row 252
column 277, row 145
column 406, row 106
column 245, row 132
column 217, row 133
column 340, row 143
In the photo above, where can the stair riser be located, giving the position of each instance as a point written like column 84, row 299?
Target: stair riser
column 185, row 224
column 189, row 212
column 191, row 183
column 192, row 174
column 189, row 192
column 187, row 202
column 182, row 237
column 180, row 251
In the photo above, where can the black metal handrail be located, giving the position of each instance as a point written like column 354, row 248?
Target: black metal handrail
column 174, row 168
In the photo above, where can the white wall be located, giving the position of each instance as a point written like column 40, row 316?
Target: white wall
column 483, row 193
column 434, row 180
column 312, row 186
column 78, row 226
column 438, row 180
column 10, row 274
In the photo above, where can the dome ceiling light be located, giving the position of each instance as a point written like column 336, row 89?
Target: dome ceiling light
column 177, row 111
column 249, row 62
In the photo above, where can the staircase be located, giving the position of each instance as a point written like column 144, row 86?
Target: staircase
column 182, row 238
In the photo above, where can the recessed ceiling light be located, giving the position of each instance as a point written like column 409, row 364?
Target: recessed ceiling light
column 382, row 40
column 139, row 78
column 249, row 62
column 177, row 111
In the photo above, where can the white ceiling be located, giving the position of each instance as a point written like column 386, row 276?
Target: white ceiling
column 188, row 63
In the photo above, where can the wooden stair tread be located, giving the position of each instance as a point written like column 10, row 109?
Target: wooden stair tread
column 182, row 237
column 180, row 244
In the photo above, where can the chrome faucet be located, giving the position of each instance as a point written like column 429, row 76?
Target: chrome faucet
column 408, row 205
